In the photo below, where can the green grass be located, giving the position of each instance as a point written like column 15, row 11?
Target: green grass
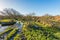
column 12, row 33
column 30, row 32
column 7, row 30
column 7, row 20
column 41, row 33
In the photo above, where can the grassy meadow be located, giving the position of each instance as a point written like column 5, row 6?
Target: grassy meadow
column 34, row 27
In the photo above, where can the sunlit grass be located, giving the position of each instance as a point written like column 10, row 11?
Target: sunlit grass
column 7, row 20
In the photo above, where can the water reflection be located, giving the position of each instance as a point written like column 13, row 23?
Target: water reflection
column 2, row 28
column 17, row 24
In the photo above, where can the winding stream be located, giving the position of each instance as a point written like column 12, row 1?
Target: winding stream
column 2, row 28
column 17, row 24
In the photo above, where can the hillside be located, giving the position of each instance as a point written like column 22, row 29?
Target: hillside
column 45, row 27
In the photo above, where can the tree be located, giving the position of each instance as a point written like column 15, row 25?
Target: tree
column 11, row 13
column 29, row 16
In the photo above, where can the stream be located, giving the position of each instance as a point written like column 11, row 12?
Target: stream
column 19, row 25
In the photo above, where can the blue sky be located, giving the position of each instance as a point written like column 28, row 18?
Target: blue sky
column 39, row 7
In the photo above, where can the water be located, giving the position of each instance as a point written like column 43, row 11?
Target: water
column 17, row 24
column 2, row 28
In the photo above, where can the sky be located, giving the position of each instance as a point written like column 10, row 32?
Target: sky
column 39, row 7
